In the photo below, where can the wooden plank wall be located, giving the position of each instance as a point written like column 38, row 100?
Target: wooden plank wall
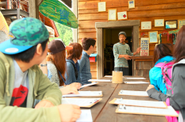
column 145, row 10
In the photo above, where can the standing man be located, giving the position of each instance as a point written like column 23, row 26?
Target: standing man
column 88, row 45
column 122, row 53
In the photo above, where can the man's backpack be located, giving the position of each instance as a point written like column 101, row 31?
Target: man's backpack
column 166, row 69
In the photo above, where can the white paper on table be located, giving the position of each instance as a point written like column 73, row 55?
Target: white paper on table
column 147, row 111
column 82, row 102
column 85, row 116
column 134, row 78
column 99, row 80
column 143, row 103
column 136, row 82
column 90, row 84
column 133, row 93
column 84, row 93
column 108, row 76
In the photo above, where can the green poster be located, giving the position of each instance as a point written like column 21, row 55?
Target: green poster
column 58, row 12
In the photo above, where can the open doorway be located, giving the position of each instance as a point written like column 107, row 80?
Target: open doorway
column 110, row 38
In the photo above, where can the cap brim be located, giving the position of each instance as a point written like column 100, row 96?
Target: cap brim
column 7, row 47
column 69, row 48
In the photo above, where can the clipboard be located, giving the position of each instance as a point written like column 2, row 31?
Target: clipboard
column 85, row 94
column 136, row 82
column 99, row 80
column 133, row 93
column 147, row 111
column 139, row 103
column 82, row 102
column 90, row 84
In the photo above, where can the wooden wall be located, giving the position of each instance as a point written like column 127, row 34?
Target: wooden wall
column 145, row 10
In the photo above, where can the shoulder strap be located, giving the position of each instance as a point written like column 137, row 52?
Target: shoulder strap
column 61, row 76
column 160, row 64
column 76, row 72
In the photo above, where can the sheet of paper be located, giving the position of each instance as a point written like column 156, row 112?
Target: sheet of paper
column 148, row 111
column 143, row 103
column 82, row 102
column 84, row 93
column 135, row 78
column 133, row 93
column 101, row 6
column 108, row 76
column 146, row 25
column 90, row 84
column 136, row 82
column 85, row 116
column 99, row 80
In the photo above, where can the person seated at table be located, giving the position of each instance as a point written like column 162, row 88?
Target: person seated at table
column 89, row 47
column 21, row 80
column 73, row 69
column 157, row 89
column 55, row 66
column 177, row 100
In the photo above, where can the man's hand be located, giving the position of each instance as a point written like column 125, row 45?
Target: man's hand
column 69, row 89
column 138, row 50
column 127, row 57
column 44, row 103
column 69, row 113
column 150, row 87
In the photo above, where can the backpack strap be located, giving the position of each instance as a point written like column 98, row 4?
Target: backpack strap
column 76, row 72
column 160, row 64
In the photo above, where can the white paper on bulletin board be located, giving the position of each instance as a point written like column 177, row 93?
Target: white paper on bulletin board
column 147, row 25
column 101, row 6
column 181, row 23
column 159, row 22
column 112, row 14
column 144, row 47
column 122, row 15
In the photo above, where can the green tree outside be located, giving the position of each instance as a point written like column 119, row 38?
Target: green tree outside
column 65, row 33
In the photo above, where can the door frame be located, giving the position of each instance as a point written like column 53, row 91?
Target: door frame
column 114, row 24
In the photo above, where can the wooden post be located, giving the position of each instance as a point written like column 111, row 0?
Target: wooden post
column 34, row 8
column 75, row 11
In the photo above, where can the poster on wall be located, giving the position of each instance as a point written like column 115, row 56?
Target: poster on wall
column 144, row 47
column 112, row 14
column 146, row 25
column 181, row 23
column 101, row 6
column 131, row 4
column 159, row 22
column 122, row 15
column 153, row 36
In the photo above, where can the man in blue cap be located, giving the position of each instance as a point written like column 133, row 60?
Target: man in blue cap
column 122, row 53
column 22, row 81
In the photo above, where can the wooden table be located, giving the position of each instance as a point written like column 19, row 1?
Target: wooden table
column 105, row 112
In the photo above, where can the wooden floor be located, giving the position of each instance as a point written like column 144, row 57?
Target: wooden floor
column 105, row 112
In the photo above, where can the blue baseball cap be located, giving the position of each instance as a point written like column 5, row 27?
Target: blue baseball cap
column 24, row 34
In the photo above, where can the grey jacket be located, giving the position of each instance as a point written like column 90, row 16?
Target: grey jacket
column 177, row 100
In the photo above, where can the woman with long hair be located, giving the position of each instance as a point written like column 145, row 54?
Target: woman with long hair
column 177, row 100
column 157, row 89
column 73, row 69
column 56, row 66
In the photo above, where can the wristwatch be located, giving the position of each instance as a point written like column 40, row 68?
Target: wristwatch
column 43, row 65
